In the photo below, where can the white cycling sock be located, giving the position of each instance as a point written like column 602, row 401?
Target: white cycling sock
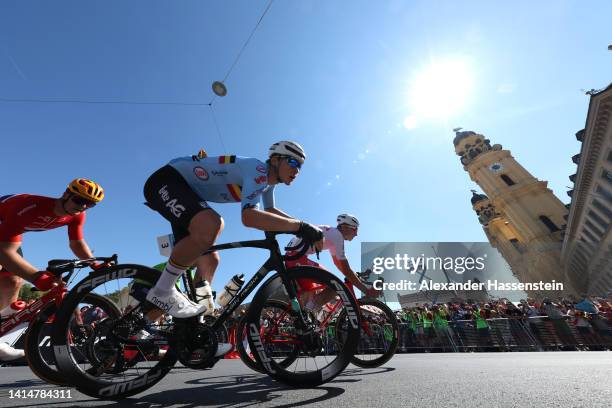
column 168, row 278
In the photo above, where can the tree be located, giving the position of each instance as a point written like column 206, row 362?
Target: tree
column 26, row 293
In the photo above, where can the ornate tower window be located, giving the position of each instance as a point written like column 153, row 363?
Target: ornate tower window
column 517, row 245
column 551, row 225
column 507, row 180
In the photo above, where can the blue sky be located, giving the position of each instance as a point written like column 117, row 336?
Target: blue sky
column 341, row 78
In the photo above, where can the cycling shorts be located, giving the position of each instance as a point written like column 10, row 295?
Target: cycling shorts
column 307, row 285
column 167, row 192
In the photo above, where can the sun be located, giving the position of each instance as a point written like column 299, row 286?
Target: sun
column 441, row 89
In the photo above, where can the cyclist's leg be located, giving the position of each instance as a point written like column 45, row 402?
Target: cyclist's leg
column 323, row 297
column 169, row 194
column 207, row 264
column 203, row 229
column 10, row 284
column 313, row 296
column 181, row 236
column 9, row 288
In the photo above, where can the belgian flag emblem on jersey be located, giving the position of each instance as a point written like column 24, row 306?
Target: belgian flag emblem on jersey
column 227, row 159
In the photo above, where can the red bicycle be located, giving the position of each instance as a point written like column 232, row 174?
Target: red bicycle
column 40, row 315
column 379, row 334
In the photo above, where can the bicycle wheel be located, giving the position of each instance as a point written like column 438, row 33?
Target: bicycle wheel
column 103, row 367
column 244, row 351
column 37, row 342
column 379, row 334
column 274, row 332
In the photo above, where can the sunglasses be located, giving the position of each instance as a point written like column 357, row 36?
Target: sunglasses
column 294, row 163
column 83, row 201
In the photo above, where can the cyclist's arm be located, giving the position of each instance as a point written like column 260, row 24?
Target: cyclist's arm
column 268, row 221
column 80, row 249
column 276, row 211
column 345, row 268
column 15, row 263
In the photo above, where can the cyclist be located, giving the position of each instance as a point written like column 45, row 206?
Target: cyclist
column 179, row 191
column 21, row 213
column 346, row 230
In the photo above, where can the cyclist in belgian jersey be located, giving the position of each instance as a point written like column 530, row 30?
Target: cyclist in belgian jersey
column 179, row 191
column 22, row 213
column 346, row 230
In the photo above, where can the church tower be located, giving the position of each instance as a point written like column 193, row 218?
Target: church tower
column 521, row 216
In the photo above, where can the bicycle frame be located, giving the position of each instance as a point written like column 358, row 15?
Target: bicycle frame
column 323, row 325
column 364, row 323
column 56, row 294
column 274, row 262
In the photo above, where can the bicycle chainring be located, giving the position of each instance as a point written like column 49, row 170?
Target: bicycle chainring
column 195, row 343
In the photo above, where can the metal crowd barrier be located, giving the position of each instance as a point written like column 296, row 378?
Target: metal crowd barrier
column 506, row 334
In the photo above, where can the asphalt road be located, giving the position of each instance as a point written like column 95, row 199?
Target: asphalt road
column 544, row 379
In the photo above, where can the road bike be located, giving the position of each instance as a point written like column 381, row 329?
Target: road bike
column 40, row 314
column 194, row 341
column 379, row 330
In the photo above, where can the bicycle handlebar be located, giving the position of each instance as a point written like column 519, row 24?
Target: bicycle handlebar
column 304, row 245
column 59, row 266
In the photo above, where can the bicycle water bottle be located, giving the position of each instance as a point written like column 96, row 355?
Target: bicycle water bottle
column 230, row 290
column 16, row 306
column 204, row 296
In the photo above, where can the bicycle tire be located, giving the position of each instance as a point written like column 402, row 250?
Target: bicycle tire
column 43, row 369
column 242, row 351
column 85, row 382
column 319, row 375
column 390, row 351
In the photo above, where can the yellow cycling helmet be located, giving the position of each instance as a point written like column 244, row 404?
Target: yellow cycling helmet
column 87, row 189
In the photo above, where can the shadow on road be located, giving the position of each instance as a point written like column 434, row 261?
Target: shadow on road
column 365, row 371
column 242, row 390
column 230, row 390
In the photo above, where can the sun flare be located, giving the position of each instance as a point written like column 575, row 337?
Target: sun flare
column 441, row 89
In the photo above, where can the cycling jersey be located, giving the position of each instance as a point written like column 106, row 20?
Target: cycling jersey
column 227, row 179
column 24, row 212
column 334, row 242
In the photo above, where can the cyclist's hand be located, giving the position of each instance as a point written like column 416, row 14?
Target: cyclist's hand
column 309, row 232
column 100, row 265
column 45, row 281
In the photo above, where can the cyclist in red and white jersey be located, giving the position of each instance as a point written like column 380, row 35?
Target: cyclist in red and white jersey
column 334, row 243
column 20, row 213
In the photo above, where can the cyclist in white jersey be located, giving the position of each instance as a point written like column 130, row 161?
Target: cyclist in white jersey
column 334, row 243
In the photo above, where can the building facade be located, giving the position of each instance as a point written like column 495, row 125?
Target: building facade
column 520, row 215
column 587, row 248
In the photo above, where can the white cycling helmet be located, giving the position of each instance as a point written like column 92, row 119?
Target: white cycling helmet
column 288, row 148
column 348, row 219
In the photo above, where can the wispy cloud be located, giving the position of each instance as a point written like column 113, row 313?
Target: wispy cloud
column 19, row 71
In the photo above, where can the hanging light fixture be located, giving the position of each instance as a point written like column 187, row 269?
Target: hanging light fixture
column 219, row 88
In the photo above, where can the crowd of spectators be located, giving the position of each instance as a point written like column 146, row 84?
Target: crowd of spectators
column 574, row 324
